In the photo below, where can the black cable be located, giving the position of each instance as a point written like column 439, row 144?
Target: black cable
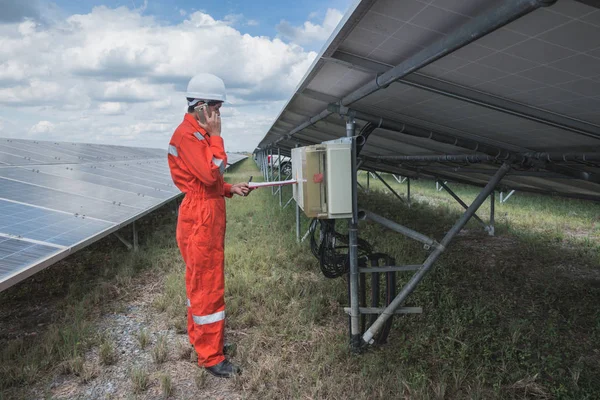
column 331, row 248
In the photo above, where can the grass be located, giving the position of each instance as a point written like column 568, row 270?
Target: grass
column 513, row 316
column 108, row 355
column 160, row 350
column 166, row 385
column 143, row 338
column 200, row 379
column 184, row 350
column 139, row 379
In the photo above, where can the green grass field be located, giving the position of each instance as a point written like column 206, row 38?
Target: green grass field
column 511, row 316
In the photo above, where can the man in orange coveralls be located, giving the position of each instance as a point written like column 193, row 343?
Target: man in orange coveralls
column 197, row 161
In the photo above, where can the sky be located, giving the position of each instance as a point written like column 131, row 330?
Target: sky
column 115, row 71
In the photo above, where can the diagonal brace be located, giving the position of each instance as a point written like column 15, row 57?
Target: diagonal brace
column 428, row 264
column 487, row 227
column 388, row 186
column 401, row 229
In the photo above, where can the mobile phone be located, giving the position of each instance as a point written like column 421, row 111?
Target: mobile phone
column 200, row 110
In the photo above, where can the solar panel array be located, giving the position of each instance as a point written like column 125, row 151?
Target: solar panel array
column 58, row 197
column 531, row 86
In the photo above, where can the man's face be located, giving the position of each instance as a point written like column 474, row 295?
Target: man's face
column 214, row 107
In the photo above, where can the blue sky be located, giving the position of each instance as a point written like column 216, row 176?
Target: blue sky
column 114, row 71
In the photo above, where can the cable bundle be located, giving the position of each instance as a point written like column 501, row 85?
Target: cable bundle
column 331, row 248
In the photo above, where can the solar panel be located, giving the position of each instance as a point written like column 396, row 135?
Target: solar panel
column 530, row 86
column 57, row 197
column 234, row 158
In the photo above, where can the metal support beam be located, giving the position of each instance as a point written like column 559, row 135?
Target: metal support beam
column 377, row 310
column 462, row 93
column 408, row 192
column 400, row 179
column 280, row 189
column 397, row 268
column 388, row 186
column 288, row 202
column 124, row 241
column 505, row 199
column 502, row 14
column 401, row 229
column 428, row 264
column 135, row 237
column 492, row 226
column 305, row 235
column 444, row 185
column 498, row 152
column 271, row 172
column 353, row 244
column 297, row 220
column 130, row 246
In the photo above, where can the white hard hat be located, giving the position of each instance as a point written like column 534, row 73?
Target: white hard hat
column 206, row 87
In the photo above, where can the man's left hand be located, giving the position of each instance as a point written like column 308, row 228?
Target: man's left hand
column 241, row 189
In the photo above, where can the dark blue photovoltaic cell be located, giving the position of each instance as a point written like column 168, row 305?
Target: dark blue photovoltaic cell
column 77, row 187
column 46, row 226
column 89, row 176
column 18, row 255
column 65, row 202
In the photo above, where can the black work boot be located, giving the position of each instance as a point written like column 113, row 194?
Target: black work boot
column 224, row 369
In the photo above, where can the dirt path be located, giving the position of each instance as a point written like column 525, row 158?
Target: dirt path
column 122, row 329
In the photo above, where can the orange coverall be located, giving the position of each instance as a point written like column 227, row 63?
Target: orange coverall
column 197, row 162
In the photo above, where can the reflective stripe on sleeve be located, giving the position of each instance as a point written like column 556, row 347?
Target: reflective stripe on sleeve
column 199, row 136
column 188, row 303
column 173, row 150
column 209, row 319
column 219, row 163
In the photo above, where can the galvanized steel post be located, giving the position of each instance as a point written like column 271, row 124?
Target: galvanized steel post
column 135, row 237
column 279, row 177
column 297, row 219
column 353, row 244
column 492, row 227
column 408, row 191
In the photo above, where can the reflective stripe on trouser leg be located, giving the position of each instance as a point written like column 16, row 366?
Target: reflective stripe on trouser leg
column 209, row 319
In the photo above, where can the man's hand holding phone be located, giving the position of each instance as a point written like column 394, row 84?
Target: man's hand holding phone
column 209, row 121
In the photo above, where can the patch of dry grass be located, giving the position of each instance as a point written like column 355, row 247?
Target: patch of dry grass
column 160, row 352
column 140, row 379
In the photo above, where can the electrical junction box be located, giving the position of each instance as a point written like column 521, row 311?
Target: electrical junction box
column 324, row 177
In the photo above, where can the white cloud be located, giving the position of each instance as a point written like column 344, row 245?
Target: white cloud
column 112, row 108
column 43, row 127
column 118, row 76
column 309, row 32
